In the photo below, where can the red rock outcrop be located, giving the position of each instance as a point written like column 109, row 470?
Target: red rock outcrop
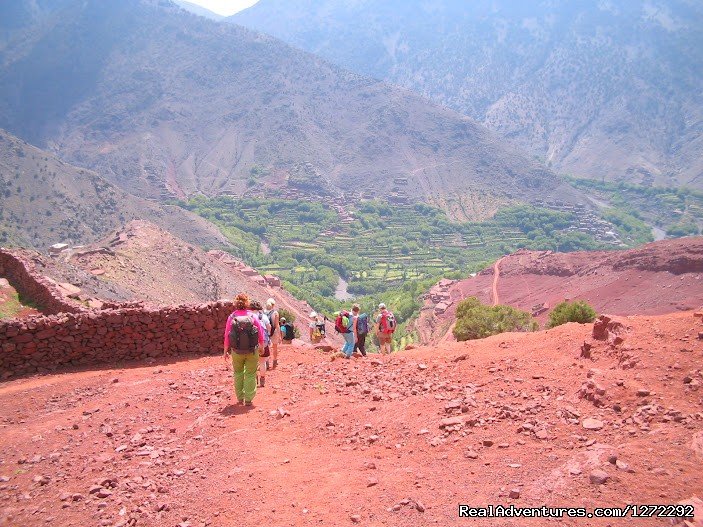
column 657, row 278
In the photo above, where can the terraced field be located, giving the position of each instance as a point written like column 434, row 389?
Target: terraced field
column 383, row 251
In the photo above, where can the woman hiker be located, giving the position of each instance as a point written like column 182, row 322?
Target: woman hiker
column 272, row 314
column 361, row 329
column 244, row 337
column 265, row 352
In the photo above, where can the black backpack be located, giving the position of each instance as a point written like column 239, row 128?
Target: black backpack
column 243, row 335
column 290, row 331
column 270, row 315
column 321, row 328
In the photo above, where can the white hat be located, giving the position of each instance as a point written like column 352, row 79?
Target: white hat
column 381, row 306
column 313, row 314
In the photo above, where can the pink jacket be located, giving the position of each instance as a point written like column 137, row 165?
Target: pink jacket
column 243, row 313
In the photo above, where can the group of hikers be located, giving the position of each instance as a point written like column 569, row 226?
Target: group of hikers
column 253, row 336
column 355, row 325
column 252, row 339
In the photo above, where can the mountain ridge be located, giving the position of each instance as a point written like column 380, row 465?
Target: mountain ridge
column 657, row 278
column 198, row 9
column 603, row 91
column 46, row 200
column 170, row 105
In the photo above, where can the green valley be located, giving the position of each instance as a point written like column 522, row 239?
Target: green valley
column 384, row 252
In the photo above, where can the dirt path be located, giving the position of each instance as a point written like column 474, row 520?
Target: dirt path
column 358, row 442
column 496, row 276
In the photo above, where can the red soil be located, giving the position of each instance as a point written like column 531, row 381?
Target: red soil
column 339, row 442
column 661, row 277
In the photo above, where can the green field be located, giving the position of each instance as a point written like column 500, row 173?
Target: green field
column 11, row 303
column 385, row 253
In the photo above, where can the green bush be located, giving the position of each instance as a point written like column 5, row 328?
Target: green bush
column 578, row 311
column 682, row 229
column 288, row 315
column 475, row 320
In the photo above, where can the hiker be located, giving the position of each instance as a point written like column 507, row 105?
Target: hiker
column 244, row 337
column 287, row 331
column 266, row 352
column 361, row 329
column 272, row 314
column 317, row 327
column 344, row 324
column 385, row 326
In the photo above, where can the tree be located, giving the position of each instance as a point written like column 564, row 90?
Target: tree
column 476, row 320
column 578, row 311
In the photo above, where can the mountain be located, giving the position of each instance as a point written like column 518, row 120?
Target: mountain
column 159, row 268
column 17, row 16
column 45, row 200
column 657, row 278
column 167, row 104
column 198, row 10
column 599, row 89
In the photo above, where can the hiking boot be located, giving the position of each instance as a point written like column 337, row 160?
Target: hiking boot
column 275, row 363
column 262, row 381
column 240, row 401
column 267, row 365
column 249, row 403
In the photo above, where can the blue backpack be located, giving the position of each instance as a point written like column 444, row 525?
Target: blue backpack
column 362, row 324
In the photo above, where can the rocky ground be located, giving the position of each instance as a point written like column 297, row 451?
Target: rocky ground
column 401, row 440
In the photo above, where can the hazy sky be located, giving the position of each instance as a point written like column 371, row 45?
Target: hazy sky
column 225, row 7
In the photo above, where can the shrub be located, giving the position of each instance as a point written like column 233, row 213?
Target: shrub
column 578, row 311
column 475, row 320
column 288, row 315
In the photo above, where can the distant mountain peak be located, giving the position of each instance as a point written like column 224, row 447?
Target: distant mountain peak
column 198, row 10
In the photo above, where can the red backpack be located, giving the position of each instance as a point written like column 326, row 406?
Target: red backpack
column 342, row 322
column 387, row 324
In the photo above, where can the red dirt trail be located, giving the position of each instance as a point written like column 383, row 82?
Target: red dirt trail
column 363, row 441
column 496, row 277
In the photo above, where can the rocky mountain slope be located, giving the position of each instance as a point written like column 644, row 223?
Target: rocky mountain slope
column 660, row 277
column 515, row 419
column 596, row 89
column 152, row 265
column 167, row 104
column 45, row 200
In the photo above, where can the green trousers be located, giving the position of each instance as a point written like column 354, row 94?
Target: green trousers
column 244, row 373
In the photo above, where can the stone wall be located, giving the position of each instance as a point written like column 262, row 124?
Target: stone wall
column 20, row 271
column 108, row 337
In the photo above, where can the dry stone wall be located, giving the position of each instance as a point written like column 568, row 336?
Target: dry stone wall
column 20, row 271
column 109, row 337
